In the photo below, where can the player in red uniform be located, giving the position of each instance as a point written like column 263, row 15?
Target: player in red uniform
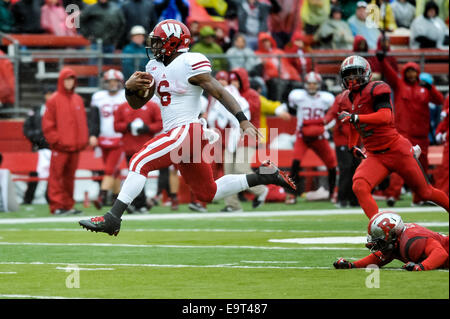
column 372, row 119
column 389, row 238
column 442, row 135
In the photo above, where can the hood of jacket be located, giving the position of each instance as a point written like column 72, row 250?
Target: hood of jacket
column 357, row 42
column 64, row 74
column 265, row 36
column 410, row 65
column 242, row 75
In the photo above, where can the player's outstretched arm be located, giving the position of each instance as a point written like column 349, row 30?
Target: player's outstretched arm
column 216, row 90
column 137, row 83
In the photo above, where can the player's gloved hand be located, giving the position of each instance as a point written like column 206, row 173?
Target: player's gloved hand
column 144, row 129
column 348, row 117
column 341, row 263
column 358, row 153
column 441, row 137
column 380, row 55
column 411, row 266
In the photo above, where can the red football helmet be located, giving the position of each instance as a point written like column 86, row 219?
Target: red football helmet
column 168, row 37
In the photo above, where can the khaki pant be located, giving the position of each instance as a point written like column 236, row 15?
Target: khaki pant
column 239, row 163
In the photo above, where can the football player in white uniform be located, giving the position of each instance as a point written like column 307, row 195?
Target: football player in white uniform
column 179, row 78
column 310, row 106
column 103, row 135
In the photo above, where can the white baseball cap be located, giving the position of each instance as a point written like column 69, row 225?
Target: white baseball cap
column 137, row 29
column 361, row 4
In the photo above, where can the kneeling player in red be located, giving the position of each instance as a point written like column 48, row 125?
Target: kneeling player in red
column 371, row 118
column 389, row 238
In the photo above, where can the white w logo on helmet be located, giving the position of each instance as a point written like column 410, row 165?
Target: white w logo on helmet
column 172, row 29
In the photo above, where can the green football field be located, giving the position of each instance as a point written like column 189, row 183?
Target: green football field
column 275, row 252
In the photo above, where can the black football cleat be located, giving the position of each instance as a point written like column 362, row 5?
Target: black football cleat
column 276, row 176
column 107, row 223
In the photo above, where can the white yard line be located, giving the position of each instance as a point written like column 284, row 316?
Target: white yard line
column 36, row 297
column 323, row 240
column 178, row 246
column 325, row 212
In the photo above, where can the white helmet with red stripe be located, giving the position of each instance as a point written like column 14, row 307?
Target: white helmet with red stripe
column 117, row 76
column 313, row 82
column 355, row 72
column 383, row 231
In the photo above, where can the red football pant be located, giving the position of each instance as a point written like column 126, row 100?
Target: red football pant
column 320, row 146
column 61, row 180
column 182, row 147
column 399, row 159
column 441, row 175
column 112, row 158
column 396, row 182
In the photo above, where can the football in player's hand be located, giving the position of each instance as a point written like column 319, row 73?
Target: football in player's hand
column 145, row 93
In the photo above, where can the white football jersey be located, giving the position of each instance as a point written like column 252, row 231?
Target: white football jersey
column 107, row 104
column 310, row 107
column 180, row 101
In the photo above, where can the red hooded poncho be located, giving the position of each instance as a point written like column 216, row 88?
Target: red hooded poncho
column 64, row 122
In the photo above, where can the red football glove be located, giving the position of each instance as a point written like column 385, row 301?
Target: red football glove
column 341, row 263
column 358, row 153
column 348, row 117
column 411, row 266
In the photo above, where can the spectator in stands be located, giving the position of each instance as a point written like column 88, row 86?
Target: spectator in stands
column 140, row 12
column 136, row 46
column 222, row 39
column 280, row 76
column 335, row 33
column 297, row 46
column 241, row 56
column 442, row 5
column 387, row 19
column 253, row 18
column 348, row 7
column 194, row 28
column 7, row 82
column 404, row 13
column 54, row 19
column 103, row 20
column 314, row 13
column 383, row 45
column 27, row 16
column 442, row 137
column 285, row 22
column 412, row 113
column 6, row 17
column 359, row 26
column 173, row 9
column 137, row 127
column 428, row 30
column 32, row 129
column 207, row 45
column 65, row 128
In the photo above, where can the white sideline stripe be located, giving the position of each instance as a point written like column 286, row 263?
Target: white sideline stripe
column 193, row 230
column 165, row 265
column 322, row 240
column 268, row 262
column 36, row 297
column 182, row 266
column 179, row 246
column 7, row 272
column 214, row 215
column 76, row 268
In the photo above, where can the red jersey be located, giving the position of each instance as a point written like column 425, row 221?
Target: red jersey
column 375, row 137
column 417, row 244
column 340, row 131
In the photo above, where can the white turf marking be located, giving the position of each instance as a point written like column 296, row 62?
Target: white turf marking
column 181, row 266
column 178, row 246
column 325, row 212
column 90, row 269
column 268, row 262
column 433, row 224
column 322, row 240
column 35, row 297
column 193, row 230
column 7, row 272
